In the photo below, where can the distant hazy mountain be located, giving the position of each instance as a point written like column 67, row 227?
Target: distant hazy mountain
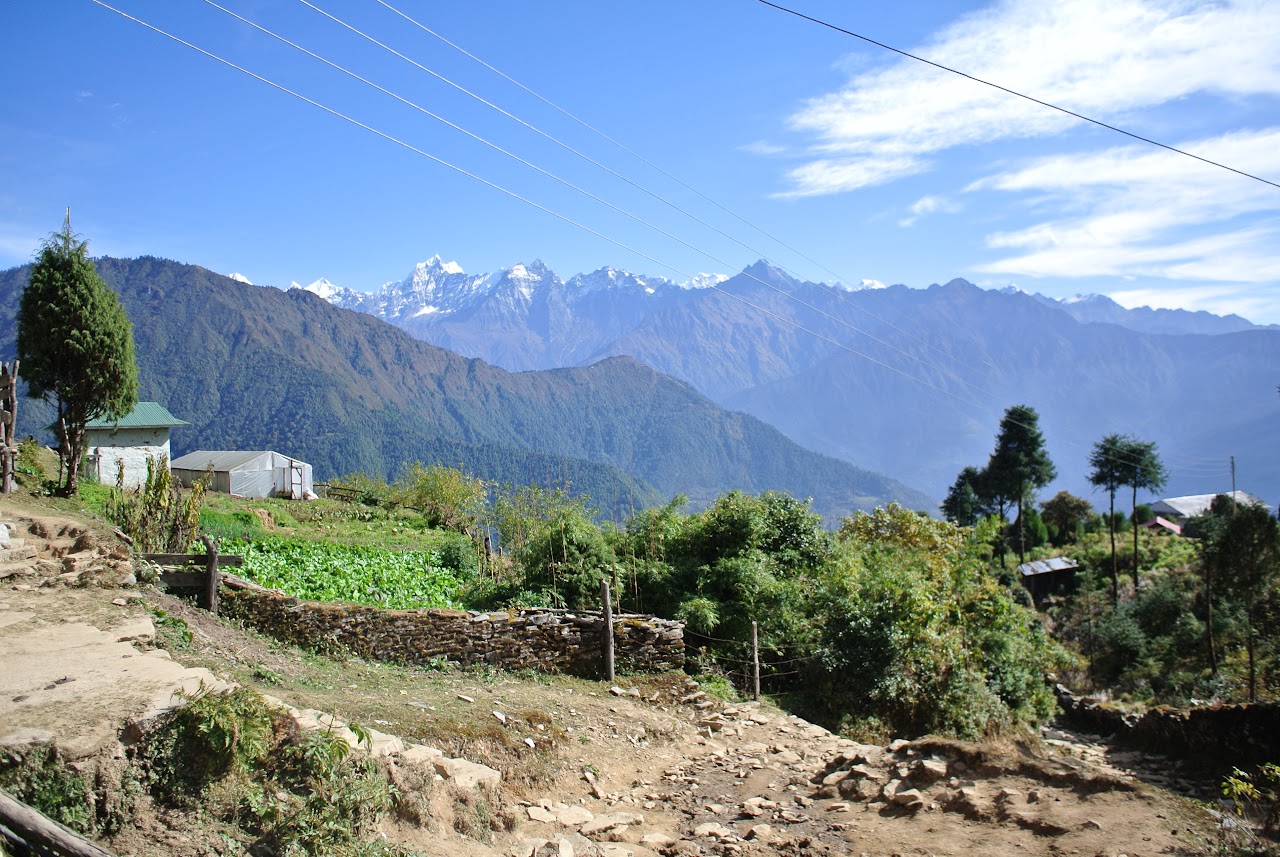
column 1100, row 309
column 255, row 368
column 910, row 382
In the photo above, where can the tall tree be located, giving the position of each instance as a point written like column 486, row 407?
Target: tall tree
column 1145, row 472
column 1020, row 464
column 963, row 504
column 1066, row 512
column 75, row 344
column 1107, row 470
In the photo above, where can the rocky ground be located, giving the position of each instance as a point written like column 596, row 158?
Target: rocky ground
column 646, row 767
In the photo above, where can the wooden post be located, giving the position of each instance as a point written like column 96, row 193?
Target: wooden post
column 215, row 576
column 608, row 629
column 755, row 661
column 47, row 835
column 8, row 423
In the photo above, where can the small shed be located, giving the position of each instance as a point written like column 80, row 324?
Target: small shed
column 130, row 441
column 1045, row 577
column 260, row 473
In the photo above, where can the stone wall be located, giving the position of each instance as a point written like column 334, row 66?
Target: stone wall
column 1217, row 737
column 546, row 640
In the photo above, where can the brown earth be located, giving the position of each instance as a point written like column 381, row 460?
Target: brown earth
column 649, row 767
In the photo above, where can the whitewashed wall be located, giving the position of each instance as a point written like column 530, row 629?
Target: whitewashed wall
column 132, row 446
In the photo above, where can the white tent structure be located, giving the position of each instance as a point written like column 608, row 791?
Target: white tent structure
column 247, row 474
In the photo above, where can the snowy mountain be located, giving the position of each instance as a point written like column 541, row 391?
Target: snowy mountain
column 1100, row 309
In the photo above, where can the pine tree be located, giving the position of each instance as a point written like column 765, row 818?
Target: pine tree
column 75, row 345
column 1107, row 460
column 1020, row 464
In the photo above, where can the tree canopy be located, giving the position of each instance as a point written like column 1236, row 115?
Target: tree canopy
column 75, row 344
column 1019, row 465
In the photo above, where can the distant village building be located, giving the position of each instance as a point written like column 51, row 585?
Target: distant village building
column 247, row 474
column 1045, row 577
column 130, row 441
column 1178, row 509
column 1160, row 525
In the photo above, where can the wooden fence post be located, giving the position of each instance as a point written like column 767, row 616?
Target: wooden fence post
column 608, row 629
column 755, row 661
column 215, row 577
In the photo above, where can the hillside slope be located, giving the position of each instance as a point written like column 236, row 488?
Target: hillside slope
column 254, row 367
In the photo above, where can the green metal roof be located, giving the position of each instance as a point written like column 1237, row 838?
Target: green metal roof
column 143, row 415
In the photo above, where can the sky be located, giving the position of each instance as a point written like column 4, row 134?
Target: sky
column 670, row 138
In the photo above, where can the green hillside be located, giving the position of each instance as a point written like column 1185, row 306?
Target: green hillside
column 253, row 367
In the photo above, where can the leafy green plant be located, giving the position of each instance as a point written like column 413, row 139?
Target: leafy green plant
column 172, row 632
column 212, row 736
column 38, row 779
column 158, row 516
column 1256, row 795
column 322, row 571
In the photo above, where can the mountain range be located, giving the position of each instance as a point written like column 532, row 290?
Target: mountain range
column 257, row 367
column 909, row 382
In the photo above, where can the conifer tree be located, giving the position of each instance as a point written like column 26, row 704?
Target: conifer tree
column 75, row 345
column 1020, row 464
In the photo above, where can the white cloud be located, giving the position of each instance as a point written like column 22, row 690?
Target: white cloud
column 1097, row 57
column 926, row 205
column 765, row 148
column 1137, row 212
column 1217, row 299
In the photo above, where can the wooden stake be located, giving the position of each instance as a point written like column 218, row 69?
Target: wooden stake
column 608, row 629
column 755, row 661
column 214, row 576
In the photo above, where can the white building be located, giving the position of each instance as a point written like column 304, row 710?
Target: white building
column 247, row 474
column 140, row 435
column 1179, row 509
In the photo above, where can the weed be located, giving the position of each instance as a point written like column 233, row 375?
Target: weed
column 38, row 779
column 172, row 632
column 267, row 675
column 1256, row 796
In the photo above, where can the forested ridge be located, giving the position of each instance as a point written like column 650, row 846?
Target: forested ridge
column 252, row 367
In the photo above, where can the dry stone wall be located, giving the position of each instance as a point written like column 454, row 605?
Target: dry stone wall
column 547, row 640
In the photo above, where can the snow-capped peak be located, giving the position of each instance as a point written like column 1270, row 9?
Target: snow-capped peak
column 704, row 281
column 438, row 264
column 240, row 278
column 868, row 283
column 323, row 288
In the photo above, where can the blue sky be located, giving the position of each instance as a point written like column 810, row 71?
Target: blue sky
column 829, row 156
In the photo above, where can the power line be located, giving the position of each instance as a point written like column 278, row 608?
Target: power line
column 1014, row 92
column 527, row 201
column 834, row 291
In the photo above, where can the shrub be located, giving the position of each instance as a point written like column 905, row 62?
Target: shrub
column 157, row 516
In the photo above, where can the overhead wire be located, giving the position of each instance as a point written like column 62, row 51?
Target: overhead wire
column 473, row 176
column 834, row 290
column 1016, row 93
column 572, row 186
column 338, row 114
column 642, row 189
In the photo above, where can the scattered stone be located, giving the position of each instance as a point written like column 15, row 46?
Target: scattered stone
column 465, row 698
column 574, row 816
column 467, row 775
column 760, row 832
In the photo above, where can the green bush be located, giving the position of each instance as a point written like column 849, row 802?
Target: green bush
column 40, row 780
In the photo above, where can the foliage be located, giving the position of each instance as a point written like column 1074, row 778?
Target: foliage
column 332, row 572
column 1019, row 465
column 919, row 637
column 240, row 525
column 447, row 497
column 1256, row 795
column 157, row 515
column 1066, row 516
column 212, row 736
column 963, row 504
column 75, row 345
column 28, row 468
column 369, row 489
column 40, row 780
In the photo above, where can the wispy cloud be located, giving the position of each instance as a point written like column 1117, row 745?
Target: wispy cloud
column 1138, row 212
column 765, row 148
column 1098, row 57
column 1220, row 300
column 927, row 205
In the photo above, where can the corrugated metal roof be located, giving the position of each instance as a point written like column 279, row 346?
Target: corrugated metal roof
column 1044, row 566
column 1198, row 504
column 217, row 459
column 143, row 415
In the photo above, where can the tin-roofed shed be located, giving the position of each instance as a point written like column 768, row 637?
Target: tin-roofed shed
column 260, row 473
column 121, row 448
